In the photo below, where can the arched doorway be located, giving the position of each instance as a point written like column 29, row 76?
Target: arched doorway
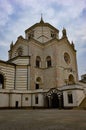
column 54, row 99
column 1, row 81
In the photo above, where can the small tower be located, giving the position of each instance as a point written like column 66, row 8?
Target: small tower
column 64, row 34
column 72, row 44
column 11, row 45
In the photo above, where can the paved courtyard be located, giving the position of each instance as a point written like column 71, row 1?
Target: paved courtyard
column 43, row 119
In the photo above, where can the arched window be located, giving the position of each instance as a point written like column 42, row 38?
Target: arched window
column 67, row 58
column 20, row 51
column 48, row 61
column 71, row 79
column 1, row 81
column 38, row 62
column 38, row 82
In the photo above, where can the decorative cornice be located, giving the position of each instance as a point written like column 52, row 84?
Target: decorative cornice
column 22, row 57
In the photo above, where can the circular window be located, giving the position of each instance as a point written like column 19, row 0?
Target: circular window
column 67, row 58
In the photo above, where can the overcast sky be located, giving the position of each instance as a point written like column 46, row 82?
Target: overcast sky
column 18, row 15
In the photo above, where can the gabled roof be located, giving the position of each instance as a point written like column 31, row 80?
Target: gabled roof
column 19, row 39
column 41, row 23
column 71, row 45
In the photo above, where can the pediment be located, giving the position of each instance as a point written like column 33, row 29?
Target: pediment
column 67, row 42
column 20, row 41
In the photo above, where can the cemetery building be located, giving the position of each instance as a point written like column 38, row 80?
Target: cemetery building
column 41, row 71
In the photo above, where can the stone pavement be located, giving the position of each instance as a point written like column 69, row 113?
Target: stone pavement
column 52, row 119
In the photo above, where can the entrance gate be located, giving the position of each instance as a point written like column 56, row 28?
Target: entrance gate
column 53, row 99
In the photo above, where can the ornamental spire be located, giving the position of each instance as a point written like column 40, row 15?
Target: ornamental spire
column 11, row 45
column 41, row 21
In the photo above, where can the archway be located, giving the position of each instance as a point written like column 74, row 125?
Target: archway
column 1, row 81
column 54, row 99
